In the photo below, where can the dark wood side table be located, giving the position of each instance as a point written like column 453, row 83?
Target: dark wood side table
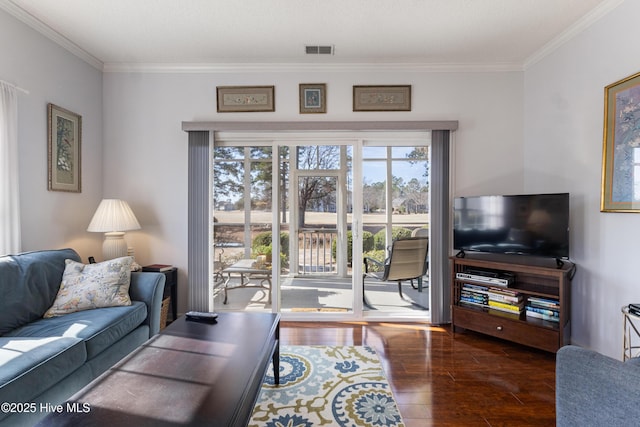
column 171, row 290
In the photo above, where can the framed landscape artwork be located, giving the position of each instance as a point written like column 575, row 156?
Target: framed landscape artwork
column 382, row 98
column 313, row 98
column 621, row 149
column 64, row 149
column 239, row 99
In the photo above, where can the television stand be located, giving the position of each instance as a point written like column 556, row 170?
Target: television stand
column 534, row 280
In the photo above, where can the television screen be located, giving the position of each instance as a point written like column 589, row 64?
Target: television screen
column 533, row 224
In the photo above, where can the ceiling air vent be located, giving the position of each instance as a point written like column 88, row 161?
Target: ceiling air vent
column 319, row 50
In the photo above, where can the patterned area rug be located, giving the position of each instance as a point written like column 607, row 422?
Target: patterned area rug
column 326, row 386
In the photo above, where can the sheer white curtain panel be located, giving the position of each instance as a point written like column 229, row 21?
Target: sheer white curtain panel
column 9, row 197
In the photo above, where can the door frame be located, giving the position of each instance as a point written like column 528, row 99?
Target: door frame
column 200, row 144
column 357, row 140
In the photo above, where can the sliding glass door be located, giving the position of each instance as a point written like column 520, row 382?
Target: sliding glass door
column 396, row 206
column 318, row 181
column 304, row 210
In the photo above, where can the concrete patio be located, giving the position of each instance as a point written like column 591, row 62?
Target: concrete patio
column 324, row 294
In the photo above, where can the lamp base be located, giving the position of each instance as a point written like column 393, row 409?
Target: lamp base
column 114, row 245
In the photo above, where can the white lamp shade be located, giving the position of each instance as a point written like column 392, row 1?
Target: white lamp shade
column 113, row 215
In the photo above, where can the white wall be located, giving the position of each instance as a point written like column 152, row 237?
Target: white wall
column 564, row 112
column 52, row 74
column 146, row 151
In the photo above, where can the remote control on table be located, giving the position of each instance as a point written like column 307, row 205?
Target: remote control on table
column 203, row 316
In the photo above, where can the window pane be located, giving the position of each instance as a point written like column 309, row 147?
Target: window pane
column 261, row 153
column 228, row 185
column 228, row 152
column 374, row 152
column 261, row 177
column 318, row 157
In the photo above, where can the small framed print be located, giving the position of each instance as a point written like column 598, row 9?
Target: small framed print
column 244, row 99
column 313, row 98
column 382, row 98
column 64, row 149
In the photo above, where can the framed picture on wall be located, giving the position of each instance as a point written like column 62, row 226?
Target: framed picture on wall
column 313, row 98
column 621, row 151
column 239, row 99
column 64, row 149
column 382, row 98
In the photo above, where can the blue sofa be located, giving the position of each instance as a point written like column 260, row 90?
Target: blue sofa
column 46, row 360
column 595, row 390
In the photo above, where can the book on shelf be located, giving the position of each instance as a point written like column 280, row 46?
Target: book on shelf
column 491, row 289
column 513, row 308
column 472, row 300
column 157, row 267
column 544, row 302
column 481, row 295
column 548, row 312
column 493, row 306
column 474, row 287
column 542, row 316
column 498, row 294
column 512, row 298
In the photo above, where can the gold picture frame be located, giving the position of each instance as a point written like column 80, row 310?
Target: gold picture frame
column 313, row 98
column 382, row 98
column 64, row 140
column 621, row 146
column 245, row 99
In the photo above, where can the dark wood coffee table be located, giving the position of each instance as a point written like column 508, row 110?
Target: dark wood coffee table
column 191, row 374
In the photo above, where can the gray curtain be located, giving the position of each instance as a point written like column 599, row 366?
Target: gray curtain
column 440, row 304
column 198, row 235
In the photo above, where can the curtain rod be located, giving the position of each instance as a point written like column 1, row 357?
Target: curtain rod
column 15, row 87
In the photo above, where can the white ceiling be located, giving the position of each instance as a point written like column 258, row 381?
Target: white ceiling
column 468, row 34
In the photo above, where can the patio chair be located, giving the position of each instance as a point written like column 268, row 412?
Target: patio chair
column 421, row 232
column 407, row 261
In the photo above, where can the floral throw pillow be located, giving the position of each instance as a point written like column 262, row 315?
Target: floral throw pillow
column 88, row 286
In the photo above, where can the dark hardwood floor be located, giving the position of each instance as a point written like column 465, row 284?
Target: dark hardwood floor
column 444, row 379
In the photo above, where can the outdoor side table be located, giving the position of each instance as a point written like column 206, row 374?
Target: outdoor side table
column 247, row 269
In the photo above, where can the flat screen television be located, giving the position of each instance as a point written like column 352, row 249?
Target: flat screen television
column 529, row 224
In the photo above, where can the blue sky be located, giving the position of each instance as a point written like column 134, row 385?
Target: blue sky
column 375, row 171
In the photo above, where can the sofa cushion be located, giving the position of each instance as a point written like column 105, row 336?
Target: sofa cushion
column 89, row 286
column 29, row 366
column 99, row 328
column 29, row 283
column 595, row 390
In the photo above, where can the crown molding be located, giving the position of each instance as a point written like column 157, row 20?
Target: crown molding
column 33, row 22
column 571, row 32
column 177, row 68
column 305, row 67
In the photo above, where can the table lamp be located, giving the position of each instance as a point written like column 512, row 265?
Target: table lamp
column 113, row 217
